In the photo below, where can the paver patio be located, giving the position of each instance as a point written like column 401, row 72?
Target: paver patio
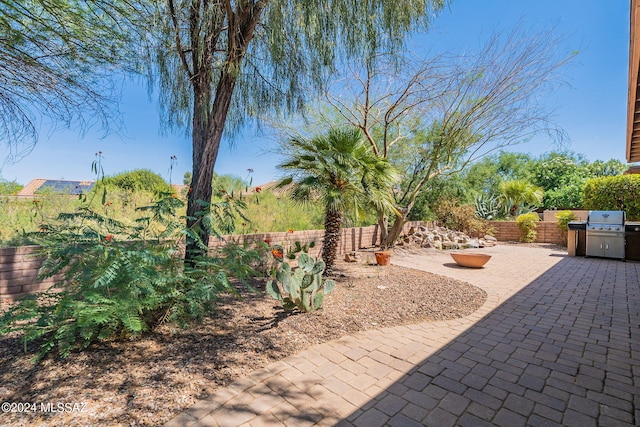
column 556, row 343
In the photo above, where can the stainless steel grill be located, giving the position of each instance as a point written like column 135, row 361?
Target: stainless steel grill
column 605, row 234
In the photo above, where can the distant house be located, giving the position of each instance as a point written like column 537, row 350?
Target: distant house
column 56, row 186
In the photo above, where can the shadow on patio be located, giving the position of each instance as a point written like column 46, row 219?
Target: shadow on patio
column 557, row 343
column 562, row 351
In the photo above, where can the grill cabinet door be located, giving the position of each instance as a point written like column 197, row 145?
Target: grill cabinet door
column 614, row 247
column 595, row 245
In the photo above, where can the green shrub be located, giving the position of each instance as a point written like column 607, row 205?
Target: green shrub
column 568, row 196
column 614, row 193
column 564, row 217
column 528, row 224
column 119, row 280
column 9, row 187
column 136, row 180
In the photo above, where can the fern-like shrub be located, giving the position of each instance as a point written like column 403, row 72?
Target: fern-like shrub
column 118, row 280
column 528, row 223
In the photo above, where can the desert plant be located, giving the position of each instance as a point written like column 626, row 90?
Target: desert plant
column 302, row 288
column 299, row 248
column 341, row 170
column 528, row 224
column 519, row 192
column 118, row 280
column 487, row 207
column 452, row 215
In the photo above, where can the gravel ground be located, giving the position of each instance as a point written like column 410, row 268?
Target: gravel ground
column 151, row 380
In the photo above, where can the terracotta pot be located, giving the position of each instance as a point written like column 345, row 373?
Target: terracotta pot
column 470, row 259
column 383, row 257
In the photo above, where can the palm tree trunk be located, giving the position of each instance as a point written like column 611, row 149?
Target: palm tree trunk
column 332, row 226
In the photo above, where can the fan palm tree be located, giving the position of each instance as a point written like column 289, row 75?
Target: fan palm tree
column 515, row 193
column 341, row 170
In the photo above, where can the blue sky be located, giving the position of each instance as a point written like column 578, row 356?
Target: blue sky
column 592, row 110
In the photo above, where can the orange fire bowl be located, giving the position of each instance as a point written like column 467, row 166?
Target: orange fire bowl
column 470, row 259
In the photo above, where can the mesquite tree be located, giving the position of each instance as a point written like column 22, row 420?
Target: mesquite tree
column 56, row 61
column 435, row 116
column 222, row 62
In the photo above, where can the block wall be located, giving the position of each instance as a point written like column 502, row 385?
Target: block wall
column 508, row 231
column 19, row 266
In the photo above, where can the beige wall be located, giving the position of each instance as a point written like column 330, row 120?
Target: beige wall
column 552, row 215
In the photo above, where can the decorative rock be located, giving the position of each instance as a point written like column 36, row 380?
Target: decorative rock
column 443, row 238
column 352, row 256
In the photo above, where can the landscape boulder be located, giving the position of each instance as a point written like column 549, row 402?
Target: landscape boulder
column 442, row 238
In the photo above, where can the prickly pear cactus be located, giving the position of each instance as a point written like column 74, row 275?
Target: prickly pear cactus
column 302, row 288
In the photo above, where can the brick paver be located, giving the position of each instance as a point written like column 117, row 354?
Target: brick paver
column 556, row 343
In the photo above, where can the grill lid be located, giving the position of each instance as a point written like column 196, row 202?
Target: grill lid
column 606, row 217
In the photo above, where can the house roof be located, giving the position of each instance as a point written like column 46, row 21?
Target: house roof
column 633, row 102
column 58, row 186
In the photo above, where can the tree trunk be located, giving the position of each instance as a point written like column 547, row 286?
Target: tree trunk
column 383, row 226
column 209, row 120
column 332, row 227
column 396, row 228
column 207, row 134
